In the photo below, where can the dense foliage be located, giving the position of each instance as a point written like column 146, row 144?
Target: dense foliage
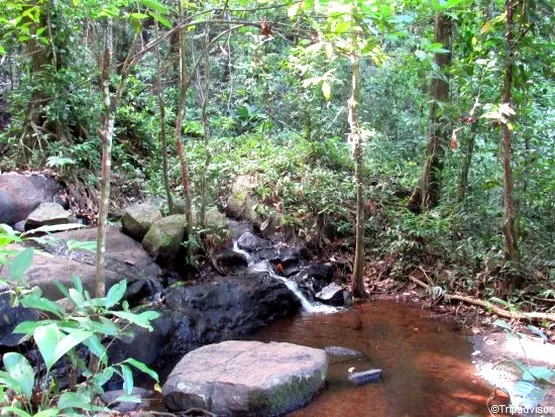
column 276, row 106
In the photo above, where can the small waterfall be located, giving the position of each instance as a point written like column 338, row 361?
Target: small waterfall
column 265, row 266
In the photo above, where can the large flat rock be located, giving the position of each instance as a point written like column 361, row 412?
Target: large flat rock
column 238, row 378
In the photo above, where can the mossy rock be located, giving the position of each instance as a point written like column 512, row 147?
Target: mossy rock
column 238, row 378
column 139, row 218
column 163, row 240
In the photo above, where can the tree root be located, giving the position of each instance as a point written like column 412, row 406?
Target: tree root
column 518, row 315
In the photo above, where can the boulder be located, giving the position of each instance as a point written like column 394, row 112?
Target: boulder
column 163, row 240
column 138, row 218
column 125, row 258
column 19, row 226
column 48, row 214
column 343, row 352
column 332, row 294
column 239, row 378
column 11, row 317
column 230, row 258
column 193, row 316
column 251, row 242
column 21, row 194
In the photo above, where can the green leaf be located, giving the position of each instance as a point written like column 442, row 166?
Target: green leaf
column 503, row 325
column 21, row 262
column 127, row 379
column 161, row 19
column 41, row 303
column 141, row 320
column 73, row 400
column 127, row 399
column 19, row 368
column 49, row 412
column 15, row 410
column 47, row 338
column 67, row 343
column 155, row 5
column 326, row 90
column 142, row 367
column 89, row 245
column 104, row 376
column 116, row 293
column 97, row 348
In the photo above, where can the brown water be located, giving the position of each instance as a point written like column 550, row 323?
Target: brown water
column 427, row 370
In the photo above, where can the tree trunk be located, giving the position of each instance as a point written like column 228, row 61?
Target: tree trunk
column 509, row 219
column 206, row 128
column 106, row 136
column 183, row 86
column 463, row 179
column 355, row 138
column 163, row 137
column 427, row 193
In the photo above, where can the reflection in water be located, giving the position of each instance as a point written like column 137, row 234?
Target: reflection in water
column 426, row 364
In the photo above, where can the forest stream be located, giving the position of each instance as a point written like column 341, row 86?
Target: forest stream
column 426, row 363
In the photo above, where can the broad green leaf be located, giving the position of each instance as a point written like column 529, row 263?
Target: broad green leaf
column 19, row 368
column 127, row 379
column 155, row 5
column 21, row 262
column 15, row 410
column 142, row 367
column 68, row 342
column 73, row 400
column 97, row 348
column 89, row 245
column 293, row 10
column 141, row 320
column 116, row 293
column 160, row 19
column 539, row 373
column 47, row 339
column 77, row 284
column 104, row 376
column 41, row 303
column 49, row 412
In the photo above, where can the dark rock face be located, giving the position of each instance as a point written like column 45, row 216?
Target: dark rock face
column 251, row 242
column 332, row 295
column 229, row 258
column 10, row 317
column 207, row 313
column 110, row 398
column 21, row 194
column 238, row 378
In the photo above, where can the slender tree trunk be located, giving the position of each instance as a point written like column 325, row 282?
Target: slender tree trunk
column 509, row 219
column 463, row 179
column 427, row 193
column 206, row 129
column 163, row 136
column 355, row 138
column 106, row 136
column 183, row 85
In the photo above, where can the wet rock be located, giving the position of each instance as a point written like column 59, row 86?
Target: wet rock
column 21, row 194
column 332, row 294
column 246, row 378
column 193, row 316
column 125, row 258
column 365, row 377
column 48, row 214
column 138, row 219
column 321, row 272
column 251, row 242
column 110, row 398
column 10, row 317
column 343, row 352
column 230, row 258
column 213, row 219
column 292, row 256
column 163, row 240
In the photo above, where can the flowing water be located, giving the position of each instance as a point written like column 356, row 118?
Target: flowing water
column 426, row 363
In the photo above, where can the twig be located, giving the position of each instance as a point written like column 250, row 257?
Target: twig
column 488, row 306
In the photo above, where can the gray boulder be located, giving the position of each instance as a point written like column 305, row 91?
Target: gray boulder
column 163, row 240
column 125, row 258
column 138, row 219
column 251, row 242
column 238, row 378
column 48, row 214
column 147, row 397
column 21, row 194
